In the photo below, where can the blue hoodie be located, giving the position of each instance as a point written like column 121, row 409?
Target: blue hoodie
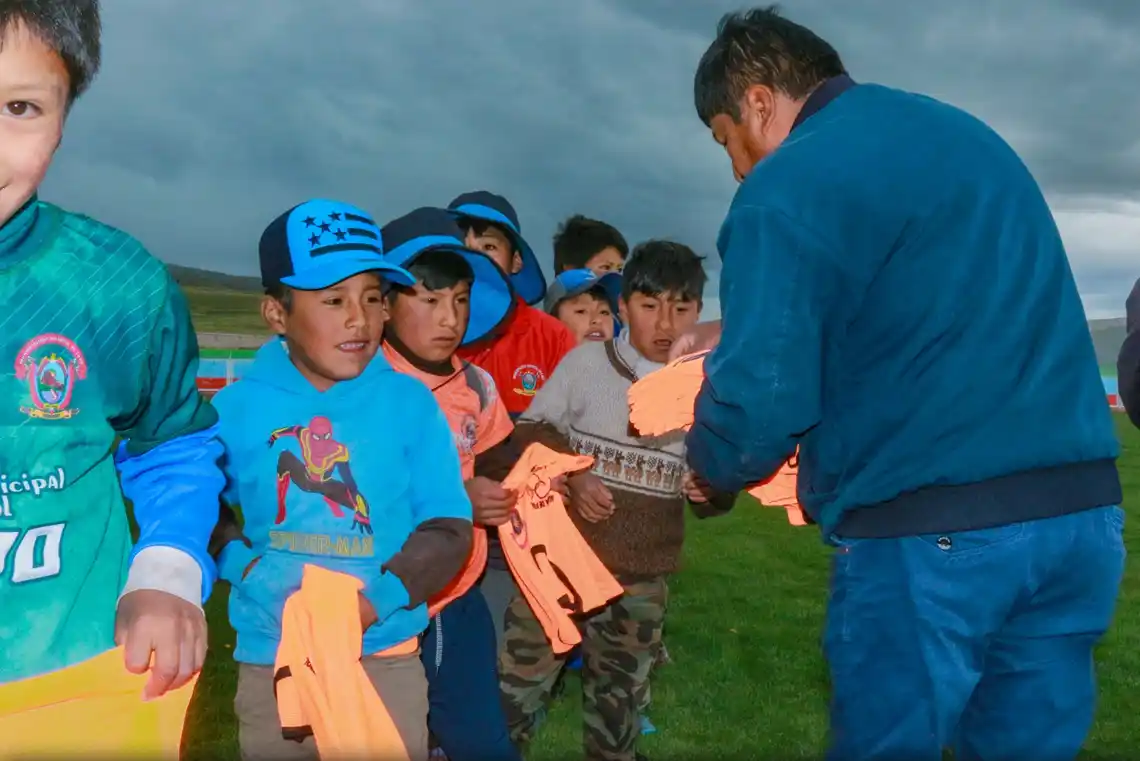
column 339, row 479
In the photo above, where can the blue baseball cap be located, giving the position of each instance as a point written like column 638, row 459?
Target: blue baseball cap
column 432, row 229
column 573, row 283
column 529, row 282
column 319, row 243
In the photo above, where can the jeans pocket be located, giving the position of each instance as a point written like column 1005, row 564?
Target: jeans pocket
column 962, row 545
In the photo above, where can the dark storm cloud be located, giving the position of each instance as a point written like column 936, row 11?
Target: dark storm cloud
column 212, row 117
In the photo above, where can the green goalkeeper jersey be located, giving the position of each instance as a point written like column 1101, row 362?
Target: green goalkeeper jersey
column 95, row 344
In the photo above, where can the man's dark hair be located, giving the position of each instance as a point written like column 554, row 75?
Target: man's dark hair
column 438, row 269
column 760, row 47
column 663, row 266
column 579, row 238
column 69, row 27
column 481, row 226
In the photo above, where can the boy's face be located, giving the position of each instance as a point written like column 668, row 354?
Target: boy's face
column 431, row 324
column 605, row 261
column 34, row 89
column 588, row 316
column 334, row 333
column 498, row 246
column 656, row 322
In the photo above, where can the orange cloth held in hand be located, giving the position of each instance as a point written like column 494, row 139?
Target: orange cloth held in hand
column 321, row 687
column 558, row 573
column 93, row 709
column 663, row 401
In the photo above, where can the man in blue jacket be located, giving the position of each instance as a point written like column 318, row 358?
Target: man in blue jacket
column 898, row 303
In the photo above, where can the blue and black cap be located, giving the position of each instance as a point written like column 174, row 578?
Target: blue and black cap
column 319, row 243
column 529, row 282
column 433, row 229
column 573, row 283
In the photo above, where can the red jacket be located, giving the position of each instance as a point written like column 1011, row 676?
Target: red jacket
column 522, row 355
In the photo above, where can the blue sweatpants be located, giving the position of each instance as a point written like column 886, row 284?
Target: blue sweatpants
column 465, row 712
column 980, row 641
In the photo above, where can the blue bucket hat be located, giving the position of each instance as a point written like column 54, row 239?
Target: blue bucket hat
column 529, row 282
column 431, row 229
column 571, row 283
column 319, row 243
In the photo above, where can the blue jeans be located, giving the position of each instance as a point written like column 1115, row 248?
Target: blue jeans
column 980, row 641
column 461, row 662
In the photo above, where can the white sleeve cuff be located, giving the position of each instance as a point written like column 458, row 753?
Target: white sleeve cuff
column 166, row 569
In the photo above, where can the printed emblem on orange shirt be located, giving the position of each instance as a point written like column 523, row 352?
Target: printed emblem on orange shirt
column 465, row 435
column 528, row 378
column 51, row 364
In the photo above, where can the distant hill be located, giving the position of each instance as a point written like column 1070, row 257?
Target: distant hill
column 1108, row 335
column 196, row 278
column 229, row 302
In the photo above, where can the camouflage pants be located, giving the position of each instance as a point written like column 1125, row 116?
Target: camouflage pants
column 619, row 646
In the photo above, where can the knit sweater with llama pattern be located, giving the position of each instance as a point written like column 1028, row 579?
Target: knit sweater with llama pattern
column 584, row 408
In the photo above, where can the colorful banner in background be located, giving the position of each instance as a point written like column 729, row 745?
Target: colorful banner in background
column 220, row 367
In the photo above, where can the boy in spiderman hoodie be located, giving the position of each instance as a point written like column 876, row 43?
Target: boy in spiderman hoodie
column 521, row 354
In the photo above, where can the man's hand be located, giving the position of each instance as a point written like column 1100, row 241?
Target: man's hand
column 152, row 623
column 702, row 336
column 696, row 489
column 590, row 497
column 492, row 504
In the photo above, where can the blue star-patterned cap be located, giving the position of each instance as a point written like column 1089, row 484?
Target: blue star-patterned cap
column 319, row 243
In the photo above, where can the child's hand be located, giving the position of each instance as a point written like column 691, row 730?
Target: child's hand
column 590, row 497
column 696, row 489
column 492, row 504
column 149, row 622
column 368, row 615
column 559, row 486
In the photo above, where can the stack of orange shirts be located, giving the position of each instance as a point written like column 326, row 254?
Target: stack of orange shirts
column 322, row 688
column 558, row 573
column 663, row 401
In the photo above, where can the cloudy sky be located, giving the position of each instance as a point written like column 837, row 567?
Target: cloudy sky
column 212, row 117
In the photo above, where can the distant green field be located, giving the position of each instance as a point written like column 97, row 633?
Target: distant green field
column 220, row 310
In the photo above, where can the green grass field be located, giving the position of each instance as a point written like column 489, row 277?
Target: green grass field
column 220, row 310
column 747, row 679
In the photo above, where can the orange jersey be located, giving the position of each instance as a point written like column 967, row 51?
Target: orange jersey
column 93, row 709
column 479, row 421
column 556, row 570
column 663, row 401
column 322, row 690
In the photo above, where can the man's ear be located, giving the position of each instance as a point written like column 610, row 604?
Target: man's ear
column 274, row 314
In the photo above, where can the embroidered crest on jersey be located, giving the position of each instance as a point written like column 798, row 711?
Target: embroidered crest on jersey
column 465, row 435
column 528, row 378
column 51, row 364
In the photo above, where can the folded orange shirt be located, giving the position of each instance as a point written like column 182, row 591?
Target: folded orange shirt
column 662, row 402
column 93, row 709
column 557, row 572
column 322, row 688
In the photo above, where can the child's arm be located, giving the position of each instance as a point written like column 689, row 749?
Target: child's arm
column 547, row 419
column 439, row 545
column 169, row 461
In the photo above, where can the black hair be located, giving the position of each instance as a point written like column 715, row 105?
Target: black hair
column 282, row 293
column 69, row 27
column 760, row 47
column 481, row 226
column 579, row 238
column 663, row 266
column 438, row 268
